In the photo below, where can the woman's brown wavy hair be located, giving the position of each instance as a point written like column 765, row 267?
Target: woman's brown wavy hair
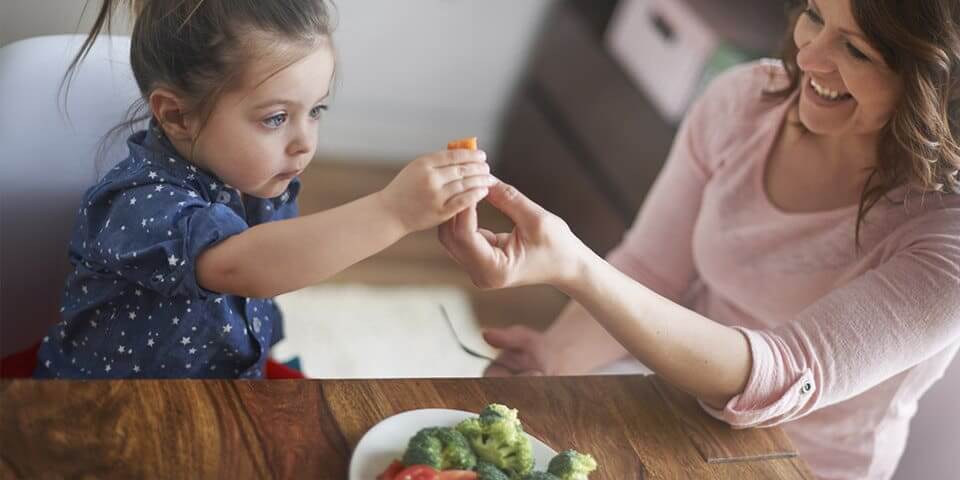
column 920, row 145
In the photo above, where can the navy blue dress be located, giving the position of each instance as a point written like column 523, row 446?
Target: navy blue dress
column 132, row 306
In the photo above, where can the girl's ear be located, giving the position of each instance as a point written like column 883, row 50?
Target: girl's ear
column 169, row 110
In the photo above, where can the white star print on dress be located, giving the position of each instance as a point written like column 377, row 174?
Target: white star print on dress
column 138, row 286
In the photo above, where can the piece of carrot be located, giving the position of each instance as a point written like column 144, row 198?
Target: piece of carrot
column 469, row 143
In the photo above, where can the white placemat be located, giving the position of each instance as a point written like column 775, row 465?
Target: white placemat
column 359, row 331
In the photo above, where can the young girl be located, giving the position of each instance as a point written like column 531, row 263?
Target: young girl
column 179, row 249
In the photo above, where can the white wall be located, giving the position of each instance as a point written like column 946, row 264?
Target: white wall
column 29, row 18
column 412, row 74
column 415, row 74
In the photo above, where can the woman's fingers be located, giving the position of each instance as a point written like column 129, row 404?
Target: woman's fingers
column 496, row 370
column 514, row 337
column 489, row 236
column 466, row 222
column 514, row 362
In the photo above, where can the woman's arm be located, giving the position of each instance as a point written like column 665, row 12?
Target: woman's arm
column 877, row 325
column 691, row 352
column 577, row 344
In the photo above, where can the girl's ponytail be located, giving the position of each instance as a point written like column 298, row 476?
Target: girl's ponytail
column 104, row 19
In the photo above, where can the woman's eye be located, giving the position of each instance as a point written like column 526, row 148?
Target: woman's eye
column 813, row 15
column 856, row 53
column 274, row 121
column 316, row 111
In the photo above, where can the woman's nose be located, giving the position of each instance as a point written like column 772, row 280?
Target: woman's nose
column 816, row 56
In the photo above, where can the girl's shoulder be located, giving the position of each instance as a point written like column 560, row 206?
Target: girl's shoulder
column 145, row 169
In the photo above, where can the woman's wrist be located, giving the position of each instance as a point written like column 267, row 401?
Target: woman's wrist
column 576, row 269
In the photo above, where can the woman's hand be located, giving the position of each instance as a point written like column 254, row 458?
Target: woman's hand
column 541, row 248
column 523, row 351
column 433, row 188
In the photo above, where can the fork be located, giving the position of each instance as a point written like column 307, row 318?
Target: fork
column 468, row 350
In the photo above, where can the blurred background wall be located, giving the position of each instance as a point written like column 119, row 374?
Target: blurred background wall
column 411, row 74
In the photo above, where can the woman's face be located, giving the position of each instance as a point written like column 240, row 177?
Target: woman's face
column 846, row 86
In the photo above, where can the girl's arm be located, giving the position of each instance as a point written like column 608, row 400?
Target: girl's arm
column 278, row 257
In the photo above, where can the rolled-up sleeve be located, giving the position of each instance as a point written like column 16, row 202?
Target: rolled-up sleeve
column 155, row 243
column 879, row 324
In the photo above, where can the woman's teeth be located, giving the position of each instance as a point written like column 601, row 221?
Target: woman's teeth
column 828, row 94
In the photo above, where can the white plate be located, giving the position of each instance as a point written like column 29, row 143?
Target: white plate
column 387, row 440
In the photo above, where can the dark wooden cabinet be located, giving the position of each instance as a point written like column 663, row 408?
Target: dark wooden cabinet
column 580, row 138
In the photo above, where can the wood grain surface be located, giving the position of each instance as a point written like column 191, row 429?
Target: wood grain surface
column 636, row 426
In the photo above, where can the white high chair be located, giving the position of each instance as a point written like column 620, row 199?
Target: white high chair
column 47, row 164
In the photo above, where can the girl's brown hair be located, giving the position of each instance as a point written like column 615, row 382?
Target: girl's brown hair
column 200, row 49
column 920, row 145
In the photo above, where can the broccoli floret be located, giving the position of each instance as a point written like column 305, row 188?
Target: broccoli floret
column 572, row 465
column 540, row 476
column 442, row 448
column 497, row 437
column 489, row 471
column 496, row 410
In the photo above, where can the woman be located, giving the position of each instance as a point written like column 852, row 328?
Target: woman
column 797, row 261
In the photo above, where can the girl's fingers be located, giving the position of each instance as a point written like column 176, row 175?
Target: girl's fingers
column 452, row 173
column 463, row 200
column 454, row 157
column 467, row 183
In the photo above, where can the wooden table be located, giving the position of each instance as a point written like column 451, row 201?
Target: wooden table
column 636, row 426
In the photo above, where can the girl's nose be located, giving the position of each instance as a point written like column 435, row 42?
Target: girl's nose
column 303, row 142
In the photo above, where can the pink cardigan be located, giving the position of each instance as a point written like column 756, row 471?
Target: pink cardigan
column 843, row 345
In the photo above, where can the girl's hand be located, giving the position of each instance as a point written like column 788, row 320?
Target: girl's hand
column 522, row 352
column 541, row 248
column 434, row 188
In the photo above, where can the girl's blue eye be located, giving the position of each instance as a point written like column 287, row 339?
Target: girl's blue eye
column 316, row 111
column 274, row 121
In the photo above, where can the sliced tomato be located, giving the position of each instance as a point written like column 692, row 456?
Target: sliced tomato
column 391, row 472
column 457, row 475
column 417, row 472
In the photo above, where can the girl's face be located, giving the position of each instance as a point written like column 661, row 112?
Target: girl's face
column 846, row 86
column 259, row 137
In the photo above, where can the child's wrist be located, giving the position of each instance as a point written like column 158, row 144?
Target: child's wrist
column 392, row 217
